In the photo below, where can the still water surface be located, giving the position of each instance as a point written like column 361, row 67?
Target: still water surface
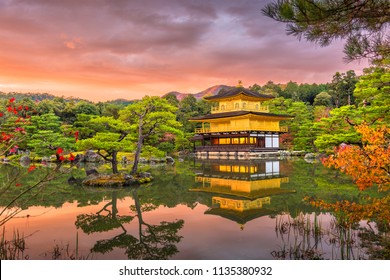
column 192, row 210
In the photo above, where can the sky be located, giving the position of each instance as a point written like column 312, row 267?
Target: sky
column 108, row 49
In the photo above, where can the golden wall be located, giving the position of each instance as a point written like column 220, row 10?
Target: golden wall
column 244, row 124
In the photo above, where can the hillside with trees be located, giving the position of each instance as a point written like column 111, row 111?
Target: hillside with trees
column 325, row 116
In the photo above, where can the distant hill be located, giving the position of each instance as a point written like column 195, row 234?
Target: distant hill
column 38, row 96
column 178, row 95
column 211, row 91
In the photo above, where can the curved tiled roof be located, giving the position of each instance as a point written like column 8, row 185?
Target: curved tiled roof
column 236, row 91
column 236, row 114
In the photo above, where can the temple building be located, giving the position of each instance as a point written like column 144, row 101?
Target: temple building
column 239, row 125
column 241, row 190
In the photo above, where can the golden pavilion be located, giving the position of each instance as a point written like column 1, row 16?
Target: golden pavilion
column 241, row 190
column 239, row 125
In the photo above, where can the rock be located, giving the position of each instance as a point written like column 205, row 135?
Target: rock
column 6, row 160
column 285, row 153
column 310, row 156
column 45, row 159
column 169, row 159
column 144, row 175
column 343, row 145
column 124, row 159
column 91, row 156
column 156, row 160
column 181, row 159
column 91, row 171
column 78, row 158
column 129, row 180
column 298, row 153
column 143, row 160
column 25, row 161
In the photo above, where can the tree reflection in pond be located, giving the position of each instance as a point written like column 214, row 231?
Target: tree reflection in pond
column 152, row 241
column 197, row 193
column 91, row 223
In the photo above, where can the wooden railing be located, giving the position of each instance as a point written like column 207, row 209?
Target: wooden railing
column 249, row 107
column 258, row 128
column 202, row 179
column 233, row 148
column 224, row 148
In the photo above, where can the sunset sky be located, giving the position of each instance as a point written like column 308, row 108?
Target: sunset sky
column 108, row 49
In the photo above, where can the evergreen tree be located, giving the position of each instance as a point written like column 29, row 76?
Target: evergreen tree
column 342, row 88
column 45, row 135
column 148, row 117
column 323, row 99
column 364, row 24
column 111, row 136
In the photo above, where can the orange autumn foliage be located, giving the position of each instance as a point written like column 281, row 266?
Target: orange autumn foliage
column 374, row 209
column 368, row 164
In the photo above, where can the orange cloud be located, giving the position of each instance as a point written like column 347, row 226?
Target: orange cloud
column 102, row 50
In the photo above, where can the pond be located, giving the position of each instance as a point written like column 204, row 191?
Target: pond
column 193, row 209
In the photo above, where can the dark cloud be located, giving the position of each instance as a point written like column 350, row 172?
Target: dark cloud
column 152, row 45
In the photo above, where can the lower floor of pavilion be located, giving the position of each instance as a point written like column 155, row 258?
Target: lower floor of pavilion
column 237, row 142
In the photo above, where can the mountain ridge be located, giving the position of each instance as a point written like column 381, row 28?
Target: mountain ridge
column 211, row 91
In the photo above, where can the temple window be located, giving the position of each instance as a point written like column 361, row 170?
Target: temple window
column 237, row 106
column 244, row 105
column 222, row 107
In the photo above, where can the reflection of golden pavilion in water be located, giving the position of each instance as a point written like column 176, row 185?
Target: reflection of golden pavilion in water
column 241, row 189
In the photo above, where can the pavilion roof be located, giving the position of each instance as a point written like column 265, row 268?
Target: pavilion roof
column 240, row 217
column 236, row 91
column 237, row 114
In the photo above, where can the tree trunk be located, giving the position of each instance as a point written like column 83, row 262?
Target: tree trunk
column 114, row 205
column 114, row 162
column 139, row 147
column 141, row 222
column 137, row 155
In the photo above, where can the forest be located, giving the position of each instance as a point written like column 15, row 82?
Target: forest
column 121, row 175
column 325, row 116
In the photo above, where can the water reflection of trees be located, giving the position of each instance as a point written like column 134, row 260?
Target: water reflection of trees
column 98, row 222
column 170, row 188
column 19, row 188
column 151, row 241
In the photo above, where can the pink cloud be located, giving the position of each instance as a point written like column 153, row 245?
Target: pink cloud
column 101, row 49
